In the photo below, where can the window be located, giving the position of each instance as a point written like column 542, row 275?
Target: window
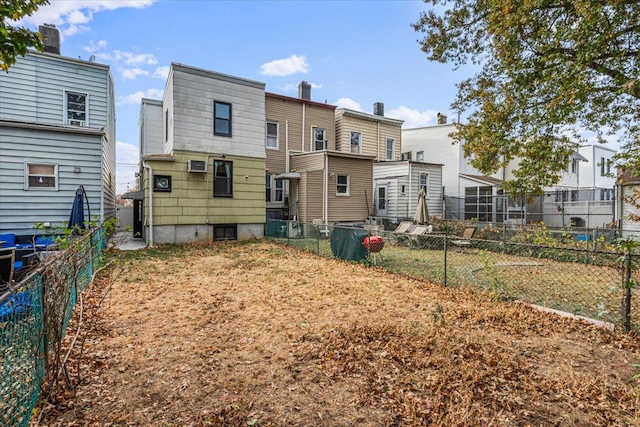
column 423, row 182
column 606, row 194
column 319, row 139
column 478, row 203
column 162, row 183
column 222, row 178
column 272, row 135
column 76, row 108
column 602, row 166
column 420, row 156
column 274, row 194
column 406, row 156
column 574, row 195
column 342, row 185
column 574, row 165
column 225, row 232
column 355, row 142
column 221, row 118
column 267, row 187
column 391, row 149
column 561, row 196
column 608, row 166
column 41, row 176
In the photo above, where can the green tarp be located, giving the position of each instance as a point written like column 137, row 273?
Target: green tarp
column 346, row 243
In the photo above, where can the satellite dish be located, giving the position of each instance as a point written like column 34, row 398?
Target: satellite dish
column 92, row 58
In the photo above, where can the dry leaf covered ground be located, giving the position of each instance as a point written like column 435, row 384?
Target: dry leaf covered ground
column 257, row 334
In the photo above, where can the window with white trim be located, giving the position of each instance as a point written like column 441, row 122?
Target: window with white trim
column 272, row 135
column 319, row 139
column 41, row 176
column 423, row 182
column 342, row 185
column 279, row 190
column 420, row 156
column 76, row 108
column 391, row 149
column 406, row 155
column 267, row 187
column 356, row 142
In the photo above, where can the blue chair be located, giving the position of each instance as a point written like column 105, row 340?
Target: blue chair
column 16, row 306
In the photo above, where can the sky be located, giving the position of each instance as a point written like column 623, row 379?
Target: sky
column 354, row 53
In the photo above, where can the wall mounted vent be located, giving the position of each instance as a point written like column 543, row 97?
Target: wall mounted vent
column 198, row 166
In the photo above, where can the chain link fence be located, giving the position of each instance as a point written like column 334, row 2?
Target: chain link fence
column 34, row 315
column 565, row 274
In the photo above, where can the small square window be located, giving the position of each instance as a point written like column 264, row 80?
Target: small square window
column 162, row 183
column 222, row 178
column 420, row 156
column 222, row 118
column 342, row 185
column 225, row 232
column 41, row 176
column 355, row 138
column 272, row 135
column 406, row 156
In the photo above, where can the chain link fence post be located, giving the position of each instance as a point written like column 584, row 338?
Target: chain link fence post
column 626, row 302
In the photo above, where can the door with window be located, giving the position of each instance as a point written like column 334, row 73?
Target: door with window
column 381, row 201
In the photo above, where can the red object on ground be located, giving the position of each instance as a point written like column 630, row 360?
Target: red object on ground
column 373, row 243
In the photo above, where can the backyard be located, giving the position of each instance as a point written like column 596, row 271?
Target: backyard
column 260, row 334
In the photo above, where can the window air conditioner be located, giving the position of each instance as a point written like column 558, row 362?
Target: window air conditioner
column 76, row 122
column 199, row 166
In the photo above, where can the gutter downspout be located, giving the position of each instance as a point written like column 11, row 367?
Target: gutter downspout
column 150, row 171
column 378, row 157
column 303, row 117
column 325, row 190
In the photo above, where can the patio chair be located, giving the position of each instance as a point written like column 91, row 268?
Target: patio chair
column 400, row 233
column 414, row 238
column 465, row 241
column 7, row 258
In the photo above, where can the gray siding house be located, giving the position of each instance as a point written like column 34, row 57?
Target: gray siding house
column 57, row 132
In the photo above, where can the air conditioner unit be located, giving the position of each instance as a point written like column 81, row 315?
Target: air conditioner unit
column 198, row 166
column 76, row 122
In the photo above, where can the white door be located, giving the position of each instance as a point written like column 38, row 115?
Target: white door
column 381, row 201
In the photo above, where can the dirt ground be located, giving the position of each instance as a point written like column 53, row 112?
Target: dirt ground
column 258, row 334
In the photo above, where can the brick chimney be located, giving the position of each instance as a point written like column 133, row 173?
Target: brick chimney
column 304, row 90
column 51, row 38
column 378, row 109
column 442, row 119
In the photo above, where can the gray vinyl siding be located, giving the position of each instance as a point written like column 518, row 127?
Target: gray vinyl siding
column 20, row 209
column 167, row 112
column 151, row 127
column 434, row 196
column 194, row 92
column 33, row 90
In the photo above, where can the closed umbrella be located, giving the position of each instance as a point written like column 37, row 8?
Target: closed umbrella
column 422, row 212
column 76, row 219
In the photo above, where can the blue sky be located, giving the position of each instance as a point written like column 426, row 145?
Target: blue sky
column 354, row 53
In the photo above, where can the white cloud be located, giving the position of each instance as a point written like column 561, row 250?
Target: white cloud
column 285, row 67
column 348, row 103
column 94, row 47
column 315, row 86
column 129, row 58
column 62, row 13
column 72, row 30
column 127, row 158
column 414, row 118
column 161, row 72
column 132, row 73
column 135, row 97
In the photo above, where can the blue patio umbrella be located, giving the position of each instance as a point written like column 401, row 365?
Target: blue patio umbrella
column 76, row 219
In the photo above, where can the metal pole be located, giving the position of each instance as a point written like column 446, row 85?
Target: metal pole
column 626, row 304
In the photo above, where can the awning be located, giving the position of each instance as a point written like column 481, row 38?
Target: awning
column 578, row 156
column 135, row 195
column 289, row 175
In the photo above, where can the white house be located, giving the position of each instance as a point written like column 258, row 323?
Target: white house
column 57, row 132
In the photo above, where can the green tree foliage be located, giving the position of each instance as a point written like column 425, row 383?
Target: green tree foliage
column 16, row 40
column 550, row 71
